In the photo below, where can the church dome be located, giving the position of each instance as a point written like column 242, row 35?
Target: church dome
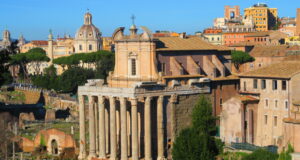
column 88, row 30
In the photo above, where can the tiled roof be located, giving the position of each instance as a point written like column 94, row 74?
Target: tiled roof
column 242, row 44
column 269, row 50
column 188, row 43
column 246, row 98
column 271, row 34
column 259, row 34
column 285, row 69
column 41, row 43
column 231, row 77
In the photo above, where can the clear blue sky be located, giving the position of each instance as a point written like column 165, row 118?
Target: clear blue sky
column 34, row 18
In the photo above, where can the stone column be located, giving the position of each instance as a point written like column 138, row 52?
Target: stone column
column 107, row 128
column 124, row 153
column 160, row 129
column 92, row 152
column 134, row 126
column 147, row 112
column 96, row 115
column 82, row 153
column 113, row 135
column 102, row 141
column 173, row 100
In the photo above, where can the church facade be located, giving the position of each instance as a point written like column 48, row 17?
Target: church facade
column 137, row 112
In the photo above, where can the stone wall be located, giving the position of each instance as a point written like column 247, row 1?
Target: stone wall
column 183, row 112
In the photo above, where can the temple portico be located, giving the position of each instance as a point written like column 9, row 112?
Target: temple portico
column 131, row 114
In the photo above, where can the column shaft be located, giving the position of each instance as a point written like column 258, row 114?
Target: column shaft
column 134, row 127
column 82, row 154
column 92, row 152
column 124, row 153
column 160, row 128
column 113, row 135
column 148, row 154
column 102, row 141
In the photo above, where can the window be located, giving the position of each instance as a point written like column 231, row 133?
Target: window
column 283, row 84
column 274, row 85
column 276, row 103
column 266, row 102
column 245, row 87
column 255, row 83
column 80, row 47
column 163, row 67
column 266, row 119
column 263, row 84
column 286, row 105
column 221, row 86
column 221, row 101
column 133, row 67
column 90, row 47
column 275, row 121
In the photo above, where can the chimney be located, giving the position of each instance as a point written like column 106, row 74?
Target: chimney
column 182, row 35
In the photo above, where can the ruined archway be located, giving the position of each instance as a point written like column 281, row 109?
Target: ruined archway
column 54, row 147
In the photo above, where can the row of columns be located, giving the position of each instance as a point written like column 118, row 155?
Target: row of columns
column 101, row 125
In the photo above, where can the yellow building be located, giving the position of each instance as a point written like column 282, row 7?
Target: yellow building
column 295, row 40
column 264, row 18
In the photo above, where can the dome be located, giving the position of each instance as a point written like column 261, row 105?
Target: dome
column 88, row 30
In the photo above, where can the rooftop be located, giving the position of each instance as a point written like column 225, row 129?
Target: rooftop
column 269, row 50
column 188, row 43
column 284, row 70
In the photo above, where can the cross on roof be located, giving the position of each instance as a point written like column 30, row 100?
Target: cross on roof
column 132, row 18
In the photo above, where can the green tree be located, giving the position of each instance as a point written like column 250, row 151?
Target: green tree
column 72, row 78
column 202, row 118
column 36, row 57
column 20, row 60
column 286, row 154
column 261, row 154
column 5, row 76
column 240, row 57
column 197, row 142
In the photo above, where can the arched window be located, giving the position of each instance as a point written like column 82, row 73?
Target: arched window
column 90, row 47
column 133, row 67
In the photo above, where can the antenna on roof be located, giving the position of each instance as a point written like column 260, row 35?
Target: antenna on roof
column 132, row 18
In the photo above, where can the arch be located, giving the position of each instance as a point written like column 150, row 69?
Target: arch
column 54, row 147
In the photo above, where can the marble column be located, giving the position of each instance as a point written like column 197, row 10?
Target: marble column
column 134, row 127
column 107, row 128
column 102, row 141
column 96, row 115
column 124, row 145
column 172, row 100
column 92, row 152
column 160, row 129
column 147, row 112
column 113, row 135
column 82, row 153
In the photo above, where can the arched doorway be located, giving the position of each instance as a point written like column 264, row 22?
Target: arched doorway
column 54, row 147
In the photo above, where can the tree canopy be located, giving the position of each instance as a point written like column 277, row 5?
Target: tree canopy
column 197, row 142
column 261, row 154
column 240, row 57
column 5, row 76
column 36, row 56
